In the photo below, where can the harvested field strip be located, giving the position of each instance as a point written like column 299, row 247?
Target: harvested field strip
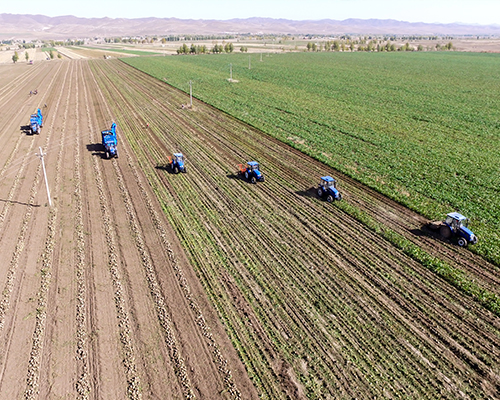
column 84, row 385
column 306, row 291
column 122, row 308
column 14, row 277
column 46, row 269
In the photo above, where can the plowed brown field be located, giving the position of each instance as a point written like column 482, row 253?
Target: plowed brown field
column 138, row 283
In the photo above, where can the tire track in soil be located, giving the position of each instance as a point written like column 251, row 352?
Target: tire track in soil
column 227, row 375
column 84, row 389
column 122, row 308
column 376, row 239
column 12, row 273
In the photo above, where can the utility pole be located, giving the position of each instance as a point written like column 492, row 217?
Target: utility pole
column 249, row 63
column 41, row 155
column 190, row 94
column 260, row 56
column 230, row 72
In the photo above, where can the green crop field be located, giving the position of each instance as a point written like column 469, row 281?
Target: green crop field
column 422, row 128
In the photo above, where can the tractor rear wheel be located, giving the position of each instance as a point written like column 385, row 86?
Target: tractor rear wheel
column 246, row 175
column 462, row 242
column 329, row 198
column 445, row 231
column 320, row 192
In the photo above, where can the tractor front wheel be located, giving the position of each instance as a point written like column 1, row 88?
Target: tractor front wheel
column 176, row 170
column 185, row 170
column 340, row 197
column 107, row 155
column 445, row 231
column 253, row 180
column 329, row 198
column 462, row 242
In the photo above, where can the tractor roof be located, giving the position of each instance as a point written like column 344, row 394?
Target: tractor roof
column 253, row 163
column 177, row 154
column 457, row 216
column 327, row 179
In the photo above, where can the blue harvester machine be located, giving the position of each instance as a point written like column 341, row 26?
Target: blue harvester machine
column 109, row 141
column 36, row 122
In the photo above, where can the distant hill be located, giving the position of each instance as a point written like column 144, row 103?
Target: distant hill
column 66, row 27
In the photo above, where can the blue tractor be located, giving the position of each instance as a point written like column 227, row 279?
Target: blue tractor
column 36, row 122
column 109, row 141
column 327, row 188
column 177, row 163
column 455, row 226
column 251, row 172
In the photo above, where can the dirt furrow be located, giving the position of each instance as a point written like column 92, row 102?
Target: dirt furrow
column 84, row 388
column 129, row 351
column 20, row 246
column 47, row 266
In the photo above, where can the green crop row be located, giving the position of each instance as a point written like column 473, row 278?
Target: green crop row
column 421, row 128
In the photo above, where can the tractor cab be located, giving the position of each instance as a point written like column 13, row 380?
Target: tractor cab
column 328, row 182
column 328, row 188
column 177, row 163
column 178, row 157
column 458, row 224
column 252, row 166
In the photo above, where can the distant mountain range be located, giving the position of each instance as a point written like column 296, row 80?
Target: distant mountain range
column 70, row 27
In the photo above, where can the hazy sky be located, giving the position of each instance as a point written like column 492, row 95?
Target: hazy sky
column 446, row 11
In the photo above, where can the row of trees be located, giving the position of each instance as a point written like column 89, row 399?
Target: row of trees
column 372, row 45
column 61, row 43
column 202, row 49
